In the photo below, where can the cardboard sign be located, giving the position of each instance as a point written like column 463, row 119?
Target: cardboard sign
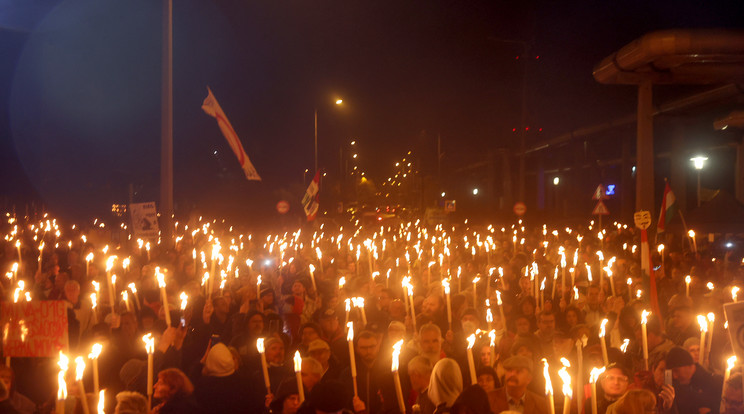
column 642, row 219
column 735, row 316
column 144, row 220
column 34, row 329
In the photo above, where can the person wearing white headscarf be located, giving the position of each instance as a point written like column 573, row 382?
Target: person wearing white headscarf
column 445, row 384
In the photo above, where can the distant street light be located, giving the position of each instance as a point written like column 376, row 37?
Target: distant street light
column 339, row 101
column 698, row 162
column 556, row 180
column 443, row 194
column 475, row 191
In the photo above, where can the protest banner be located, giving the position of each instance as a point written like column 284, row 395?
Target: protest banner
column 34, row 329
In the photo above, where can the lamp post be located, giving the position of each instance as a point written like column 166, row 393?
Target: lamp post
column 698, row 162
column 338, row 102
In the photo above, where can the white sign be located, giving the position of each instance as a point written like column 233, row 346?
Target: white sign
column 735, row 316
column 144, row 220
column 642, row 219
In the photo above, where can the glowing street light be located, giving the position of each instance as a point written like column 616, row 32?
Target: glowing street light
column 556, row 180
column 698, row 162
column 339, row 101
column 475, row 191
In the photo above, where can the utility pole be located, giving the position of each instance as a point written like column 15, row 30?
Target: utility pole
column 166, row 128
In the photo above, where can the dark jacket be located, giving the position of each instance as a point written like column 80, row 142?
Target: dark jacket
column 221, row 394
column 533, row 403
column 704, row 390
column 178, row 404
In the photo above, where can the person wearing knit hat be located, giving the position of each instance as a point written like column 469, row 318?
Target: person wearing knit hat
column 695, row 388
column 287, row 398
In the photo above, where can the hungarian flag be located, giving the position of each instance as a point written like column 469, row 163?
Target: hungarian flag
column 212, row 108
column 310, row 201
column 668, row 208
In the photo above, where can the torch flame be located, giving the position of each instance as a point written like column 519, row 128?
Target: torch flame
column 79, row 368
column 95, row 351
column 731, row 362
column 734, row 291
column 703, row 323
column 471, row 341
column 602, row 328
column 546, row 374
column 350, row 334
column 149, row 343
column 595, row 373
column 644, row 316
column 446, row 285
column 63, row 364
column 184, row 300
column 396, row 354
column 260, row 345
column 161, row 277
column 110, row 263
column 101, row 401
column 297, row 362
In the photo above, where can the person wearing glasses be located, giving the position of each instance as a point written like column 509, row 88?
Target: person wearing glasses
column 613, row 385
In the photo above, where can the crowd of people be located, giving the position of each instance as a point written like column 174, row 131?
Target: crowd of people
column 530, row 319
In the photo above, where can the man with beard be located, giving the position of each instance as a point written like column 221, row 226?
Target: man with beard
column 370, row 373
column 515, row 396
column 432, row 310
column 430, row 343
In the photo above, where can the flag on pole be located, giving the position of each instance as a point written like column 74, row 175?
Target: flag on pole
column 213, row 109
column 668, row 208
column 310, row 201
column 648, row 271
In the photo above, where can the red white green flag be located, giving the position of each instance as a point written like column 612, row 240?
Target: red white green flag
column 668, row 208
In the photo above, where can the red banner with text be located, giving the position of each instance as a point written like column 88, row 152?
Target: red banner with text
column 34, row 329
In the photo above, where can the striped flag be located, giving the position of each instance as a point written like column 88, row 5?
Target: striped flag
column 310, row 201
column 668, row 208
column 213, row 109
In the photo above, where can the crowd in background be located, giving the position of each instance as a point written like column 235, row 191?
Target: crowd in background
column 525, row 311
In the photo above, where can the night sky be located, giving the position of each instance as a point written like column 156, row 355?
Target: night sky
column 80, row 88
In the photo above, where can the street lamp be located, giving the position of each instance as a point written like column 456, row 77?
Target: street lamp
column 698, row 162
column 475, row 191
column 556, row 180
column 339, row 101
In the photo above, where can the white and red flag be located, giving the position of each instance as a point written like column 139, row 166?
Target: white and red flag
column 310, row 201
column 212, row 108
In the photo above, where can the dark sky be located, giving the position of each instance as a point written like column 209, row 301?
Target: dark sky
column 80, row 86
